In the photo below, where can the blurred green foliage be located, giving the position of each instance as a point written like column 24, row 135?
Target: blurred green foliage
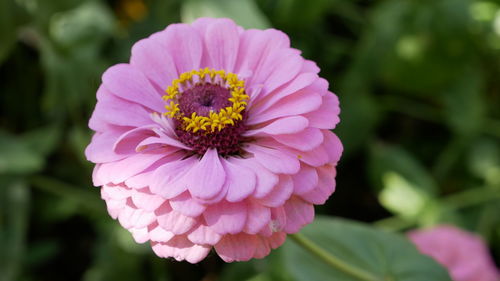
column 419, row 85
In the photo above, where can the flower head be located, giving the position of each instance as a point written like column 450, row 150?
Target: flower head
column 464, row 254
column 214, row 137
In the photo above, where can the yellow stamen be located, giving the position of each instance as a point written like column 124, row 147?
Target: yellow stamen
column 215, row 120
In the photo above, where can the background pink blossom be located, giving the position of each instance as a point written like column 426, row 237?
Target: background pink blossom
column 464, row 254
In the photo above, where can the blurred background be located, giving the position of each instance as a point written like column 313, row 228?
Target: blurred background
column 419, row 86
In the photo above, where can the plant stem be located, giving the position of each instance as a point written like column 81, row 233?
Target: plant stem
column 332, row 260
column 471, row 197
column 455, row 201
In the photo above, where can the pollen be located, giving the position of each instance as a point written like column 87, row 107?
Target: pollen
column 215, row 119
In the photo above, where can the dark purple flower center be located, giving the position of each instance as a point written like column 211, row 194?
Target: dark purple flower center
column 203, row 98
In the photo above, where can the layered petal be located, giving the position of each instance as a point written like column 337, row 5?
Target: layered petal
column 180, row 248
column 226, row 217
column 205, row 179
column 222, row 42
column 130, row 84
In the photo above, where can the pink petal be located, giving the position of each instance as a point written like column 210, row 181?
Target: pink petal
column 145, row 200
column 327, row 115
column 143, row 179
column 169, row 180
column 184, row 44
column 305, row 180
column 100, row 148
column 222, row 41
column 305, row 140
column 158, row 234
column 258, row 217
column 274, row 160
column 256, row 47
column 114, row 110
column 186, row 205
column 239, row 247
column 266, row 231
column 166, row 124
column 201, row 24
column 286, row 66
column 319, row 86
column 128, row 142
column 286, row 125
column 99, row 125
column 265, row 179
column 333, row 146
column 278, row 219
column 262, row 248
column 115, row 192
column 119, row 171
column 204, row 235
column 240, row 181
column 96, row 181
column 298, row 214
column 298, row 103
column 226, row 217
column 130, row 84
column 277, row 239
column 325, row 187
column 150, row 57
column 131, row 217
column 315, row 157
column 140, row 235
column 162, row 140
column 300, row 82
column 205, row 179
column 180, row 248
column 219, row 197
column 114, row 207
column 254, row 92
column 310, row 66
column 174, row 221
column 280, row 194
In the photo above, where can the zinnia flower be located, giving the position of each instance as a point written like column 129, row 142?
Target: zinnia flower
column 464, row 254
column 214, row 137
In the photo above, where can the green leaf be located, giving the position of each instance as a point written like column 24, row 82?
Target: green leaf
column 42, row 140
column 14, row 218
column 402, row 197
column 16, row 157
column 238, row 271
column 243, row 12
column 464, row 104
column 7, row 29
column 88, row 22
column 385, row 256
column 385, row 159
column 430, row 40
column 406, row 188
column 484, row 160
column 112, row 262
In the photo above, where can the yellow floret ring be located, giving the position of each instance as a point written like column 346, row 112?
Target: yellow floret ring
column 215, row 120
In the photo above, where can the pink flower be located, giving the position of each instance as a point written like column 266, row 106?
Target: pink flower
column 214, row 136
column 464, row 254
